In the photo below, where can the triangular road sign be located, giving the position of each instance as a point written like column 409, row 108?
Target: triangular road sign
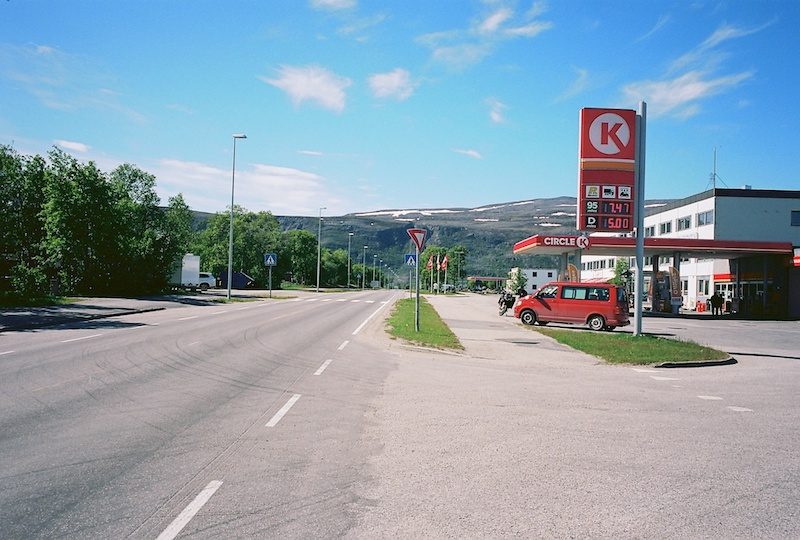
column 418, row 236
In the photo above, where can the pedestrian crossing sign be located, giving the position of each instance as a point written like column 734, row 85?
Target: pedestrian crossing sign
column 270, row 259
column 411, row 259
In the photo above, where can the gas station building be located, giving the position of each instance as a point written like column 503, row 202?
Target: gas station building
column 741, row 243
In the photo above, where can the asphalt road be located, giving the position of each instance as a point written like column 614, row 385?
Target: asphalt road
column 301, row 419
column 112, row 428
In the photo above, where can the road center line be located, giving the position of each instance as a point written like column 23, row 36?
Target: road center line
column 325, row 364
column 343, row 345
column 219, row 312
column 80, row 338
column 5, row 352
column 363, row 324
column 710, row 398
column 663, row 378
column 342, row 300
column 188, row 318
column 189, row 512
column 278, row 415
column 642, row 370
column 739, row 409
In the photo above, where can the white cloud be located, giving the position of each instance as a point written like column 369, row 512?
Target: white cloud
column 680, row 96
column 491, row 24
column 496, row 109
column 310, row 153
column 529, row 30
column 72, row 145
column 280, row 190
column 468, row 152
column 577, row 86
column 61, row 80
column 703, row 56
column 462, row 55
column 312, row 83
column 395, row 84
column 333, row 5
column 662, row 20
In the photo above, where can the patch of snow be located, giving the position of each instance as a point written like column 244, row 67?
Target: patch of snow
column 550, row 225
column 485, row 208
column 485, row 219
column 655, row 205
column 561, row 214
column 522, row 203
column 569, row 205
column 399, row 213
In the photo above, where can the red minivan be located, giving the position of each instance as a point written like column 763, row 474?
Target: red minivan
column 601, row 306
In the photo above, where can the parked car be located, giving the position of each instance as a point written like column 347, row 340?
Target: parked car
column 207, row 281
column 601, row 306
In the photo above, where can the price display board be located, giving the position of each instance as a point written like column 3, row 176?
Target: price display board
column 606, row 175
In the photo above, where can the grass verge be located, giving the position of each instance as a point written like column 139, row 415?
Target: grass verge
column 433, row 332
column 629, row 349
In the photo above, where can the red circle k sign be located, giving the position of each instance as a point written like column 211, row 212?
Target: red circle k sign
column 608, row 133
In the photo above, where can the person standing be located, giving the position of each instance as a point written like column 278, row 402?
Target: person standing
column 716, row 303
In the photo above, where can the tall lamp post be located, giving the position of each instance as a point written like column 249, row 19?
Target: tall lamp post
column 319, row 243
column 380, row 267
column 230, row 232
column 349, row 238
column 363, row 268
column 374, row 260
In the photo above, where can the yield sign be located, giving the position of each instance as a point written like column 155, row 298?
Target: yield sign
column 418, row 236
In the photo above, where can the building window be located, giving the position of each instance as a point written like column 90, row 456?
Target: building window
column 650, row 231
column 648, row 261
column 684, row 286
column 702, row 286
column 549, row 274
column 705, row 218
column 534, row 273
column 683, row 223
column 795, row 218
column 665, row 228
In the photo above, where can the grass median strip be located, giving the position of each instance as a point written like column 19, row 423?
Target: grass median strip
column 433, row 332
column 629, row 349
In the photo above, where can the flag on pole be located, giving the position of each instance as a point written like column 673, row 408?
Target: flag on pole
column 429, row 266
column 444, row 263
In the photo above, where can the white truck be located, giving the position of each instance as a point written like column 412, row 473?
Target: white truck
column 187, row 275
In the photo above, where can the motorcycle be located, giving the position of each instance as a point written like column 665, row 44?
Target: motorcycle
column 506, row 301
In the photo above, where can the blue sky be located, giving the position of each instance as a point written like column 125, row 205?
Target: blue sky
column 361, row 105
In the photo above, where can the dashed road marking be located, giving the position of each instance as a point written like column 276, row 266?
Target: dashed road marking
column 278, row 415
column 355, row 301
column 663, row 378
column 80, row 338
column 219, row 312
column 739, row 409
column 327, row 299
column 5, row 352
column 641, row 370
column 312, row 299
column 369, row 301
column 710, row 398
column 343, row 345
column 189, row 512
column 342, row 300
column 325, row 364
column 189, row 318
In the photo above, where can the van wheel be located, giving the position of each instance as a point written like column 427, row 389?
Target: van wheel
column 597, row 322
column 204, row 287
column 528, row 317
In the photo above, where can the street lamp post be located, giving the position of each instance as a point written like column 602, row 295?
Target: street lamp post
column 363, row 268
column 374, row 260
column 230, row 231
column 319, row 243
column 380, row 266
column 349, row 237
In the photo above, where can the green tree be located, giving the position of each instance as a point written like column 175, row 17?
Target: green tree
column 621, row 271
column 334, row 268
column 80, row 225
column 300, row 247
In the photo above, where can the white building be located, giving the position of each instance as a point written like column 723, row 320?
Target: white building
column 766, row 283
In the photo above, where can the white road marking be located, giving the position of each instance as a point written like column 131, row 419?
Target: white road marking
column 312, row 299
column 677, row 386
column 219, row 312
column 641, row 370
column 278, row 415
column 385, row 302
column 297, row 300
column 740, row 409
column 342, row 300
column 369, row 301
column 5, row 352
column 80, row 338
column 343, row 345
column 663, row 378
column 711, row 398
column 355, row 301
column 192, row 343
column 327, row 299
column 323, row 366
column 188, row 318
column 363, row 324
column 189, row 512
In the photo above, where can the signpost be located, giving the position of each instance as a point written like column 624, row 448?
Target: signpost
column 411, row 262
column 270, row 260
column 418, row 237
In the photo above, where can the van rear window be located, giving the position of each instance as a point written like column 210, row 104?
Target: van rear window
column 584, row 293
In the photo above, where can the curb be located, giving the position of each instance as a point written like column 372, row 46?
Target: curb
column 708, row 363
column 55, row 321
